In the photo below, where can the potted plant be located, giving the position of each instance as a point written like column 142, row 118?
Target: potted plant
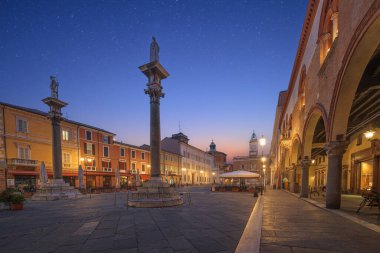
column 17, row 201
column 14, row 199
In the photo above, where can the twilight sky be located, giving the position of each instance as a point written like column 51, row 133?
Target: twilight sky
column 227, row 59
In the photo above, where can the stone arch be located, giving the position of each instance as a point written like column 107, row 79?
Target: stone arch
column 296, row 150
column 362, row 46
column 316, row 113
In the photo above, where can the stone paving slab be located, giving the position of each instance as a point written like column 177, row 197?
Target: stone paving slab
column 213, row 223
column 293, row 225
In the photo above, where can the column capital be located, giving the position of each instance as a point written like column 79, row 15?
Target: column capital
column 305, row 163
column 336, row 148
column 154, row 91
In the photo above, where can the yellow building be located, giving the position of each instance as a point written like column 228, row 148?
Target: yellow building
column 26, row 142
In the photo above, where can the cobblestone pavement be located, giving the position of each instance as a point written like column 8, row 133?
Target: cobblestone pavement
column 213, row 222
column 293, row 225
column 350, row 204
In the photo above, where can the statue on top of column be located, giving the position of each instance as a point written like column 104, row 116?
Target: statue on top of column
column 54, row 87
column 154, row 50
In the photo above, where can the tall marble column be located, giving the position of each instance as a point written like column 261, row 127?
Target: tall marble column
column 335, row 151
column 155, row 72
column 305, row 165
column 55, row 116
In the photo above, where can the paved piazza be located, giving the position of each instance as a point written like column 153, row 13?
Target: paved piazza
column 213, row 222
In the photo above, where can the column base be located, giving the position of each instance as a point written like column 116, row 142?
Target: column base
column 154, row 193
column 56, row 189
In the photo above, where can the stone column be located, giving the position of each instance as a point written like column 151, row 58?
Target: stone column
column 57, row 150
column 293, row 178
column 335, row 151
column 155, row 137
column 305, row 165
column 344, row 178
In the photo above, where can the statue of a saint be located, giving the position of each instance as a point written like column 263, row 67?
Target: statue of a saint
column 154, row 50
column 54, row 87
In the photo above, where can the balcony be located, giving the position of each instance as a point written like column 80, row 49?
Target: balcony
column 22, row 162
column 106, row 169
column 90, row 168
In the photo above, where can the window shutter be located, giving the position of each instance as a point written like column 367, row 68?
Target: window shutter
column 24, row 125
column 85, row 148
column 93, row 149
column 70, row 135
column 109, row 139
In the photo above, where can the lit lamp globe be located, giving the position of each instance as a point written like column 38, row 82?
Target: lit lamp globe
column 369, row 134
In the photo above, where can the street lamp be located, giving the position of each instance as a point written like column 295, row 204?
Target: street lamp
column 369, row 134
column 213, row 176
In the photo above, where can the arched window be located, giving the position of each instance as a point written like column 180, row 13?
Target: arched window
column 301, row 88
column 328, row 27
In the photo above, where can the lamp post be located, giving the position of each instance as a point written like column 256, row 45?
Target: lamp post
column 213, row 177
column 262, row 142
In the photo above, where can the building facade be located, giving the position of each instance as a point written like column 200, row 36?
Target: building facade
column 329, row 122
column 196, row 165
column 253, row 162
column 219, row 160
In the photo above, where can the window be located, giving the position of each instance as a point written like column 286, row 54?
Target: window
column 66, row 160
column 66, row 135
column 22, row 125
column 106, row 139
column 105, row 151
column 133, row 154
column 24, row 153
column 89, row 148
column 122, row 165
column 122, row 152
column 88, row 135
column 143, row 167
column 142, row 156
column 133, row 167
column 106, row 165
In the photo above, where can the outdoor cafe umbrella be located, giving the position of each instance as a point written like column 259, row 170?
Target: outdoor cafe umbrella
column 117, row 178
column 240, row 174
column 80, row 177
column 43, row 174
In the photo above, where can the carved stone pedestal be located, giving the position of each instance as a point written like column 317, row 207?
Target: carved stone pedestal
column 56, row 189
column 154, row 194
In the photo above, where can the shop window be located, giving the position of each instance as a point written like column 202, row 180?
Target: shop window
column 107, row 182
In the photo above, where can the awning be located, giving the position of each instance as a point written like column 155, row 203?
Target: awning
column 240, row 174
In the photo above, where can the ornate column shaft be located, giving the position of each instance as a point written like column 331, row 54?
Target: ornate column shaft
column 335, row 151
column 305, row 165
column 155, row 92
column 57, row 150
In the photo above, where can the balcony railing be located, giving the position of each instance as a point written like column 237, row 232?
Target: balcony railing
column 66, row 165
column 22, row 162
column 90, row 168
column 106, row 169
